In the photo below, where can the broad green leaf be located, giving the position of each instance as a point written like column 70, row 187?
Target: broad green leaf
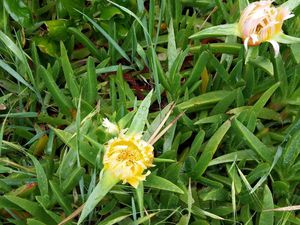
column 85, row 150
column 31, row 207
column 116, row 217
column 13, row 73
column 71, row 6
column 286, row 39
column 91, row 82
column 197, row 70
column 62, row 101
column 203, row 101
column 105, row 184
column 291, row 4
column 86, row 42
column 19, row 12
column 172, row 50
column 68, row 71
column 174, row 78
column 267, row 217
column 107, row 36
column 234, row 157
column 57, row 29
column 196, row 144
column 140, row 198
column 12, row 46
column 263, row 63
column 261, row 149
column 153, row 181
column 264, row 98
column 109, row 12
column 219, row 118
column 243, row 4
column 217, row 31
column 227, row 48
column 296, row 52
column 292, row 150
column 34, row 222
column 140, row 118
column 47, row 46
column 72, row 180
column 210, row 149
column 61, row 199
column 41, row 176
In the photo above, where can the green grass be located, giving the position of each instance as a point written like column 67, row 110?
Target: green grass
column 230, row 156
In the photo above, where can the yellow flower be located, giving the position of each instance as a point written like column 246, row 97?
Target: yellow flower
column 262, row 22
column 127, row 156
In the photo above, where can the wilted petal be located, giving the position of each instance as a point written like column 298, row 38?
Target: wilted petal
column 110, row 127
column 275, row 47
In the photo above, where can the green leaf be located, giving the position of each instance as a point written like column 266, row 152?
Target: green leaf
column 140, row 197
column 19, row 12
column 57, row 29
column 286, row 39
column 153, row 181
column 32, row 207
column 262, row 150
column 210, row 149
column 105, row 184
column 292, row 150
column 217, row 31
column 203, row 101
column 86, row 42
column 296, row 52
column 85, row 150
column 47, row 46
column 34, row 222
column 212, row 119
column 13, row 73
column 140, row 118
column 172, row 51
column 109, row 12
column 68, row 72
column 91, row 82
column 291, row 4
column 71, row 6
column 115, row 217
column 267, row 217
column 61, row 199
column 243, row 4
column 264, row 63
column 72, row 180
column 242, row 155
column 197, row 70
column 264, row 99
column 41, row 176
column 107, row 36
column 61, row 100
column 12, row 46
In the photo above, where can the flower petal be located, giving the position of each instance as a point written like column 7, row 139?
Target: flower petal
column 275, row 47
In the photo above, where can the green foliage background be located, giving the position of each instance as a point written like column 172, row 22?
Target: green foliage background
column 67, row 64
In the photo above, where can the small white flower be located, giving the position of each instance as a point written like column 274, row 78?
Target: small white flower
column 110, row 127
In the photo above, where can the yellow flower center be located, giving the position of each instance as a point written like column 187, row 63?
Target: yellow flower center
column 127, row 157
